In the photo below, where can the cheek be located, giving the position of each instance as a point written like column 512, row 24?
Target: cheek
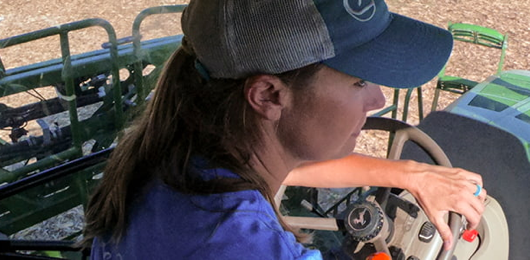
column 299, row 133
column 323, row 131
column 352, row 121
column 346, row 149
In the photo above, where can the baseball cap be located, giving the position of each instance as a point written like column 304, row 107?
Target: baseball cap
column 362, row 38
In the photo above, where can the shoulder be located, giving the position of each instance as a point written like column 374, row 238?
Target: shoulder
column 235, row 225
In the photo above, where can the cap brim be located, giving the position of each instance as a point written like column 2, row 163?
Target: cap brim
column 407, row 54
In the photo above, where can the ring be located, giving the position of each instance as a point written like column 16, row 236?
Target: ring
column 479, row 190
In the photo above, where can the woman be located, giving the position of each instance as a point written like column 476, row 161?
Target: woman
column 257, row 89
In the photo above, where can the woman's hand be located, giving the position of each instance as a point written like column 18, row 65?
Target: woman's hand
column 439, row 190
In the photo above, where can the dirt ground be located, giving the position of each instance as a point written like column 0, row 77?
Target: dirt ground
column 510, row 17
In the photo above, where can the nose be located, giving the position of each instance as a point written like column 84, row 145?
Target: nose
column 375, row 98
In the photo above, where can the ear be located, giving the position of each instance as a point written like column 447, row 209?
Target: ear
column 267, row 95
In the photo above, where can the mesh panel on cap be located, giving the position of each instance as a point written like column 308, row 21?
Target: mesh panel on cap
column 261, row 36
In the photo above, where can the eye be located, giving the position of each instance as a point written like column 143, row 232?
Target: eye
column 361, row 83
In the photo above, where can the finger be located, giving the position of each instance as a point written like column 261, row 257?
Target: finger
column 474, row 187
column 482, row 196
column 471, row 207
column 475, row 190
column 473, row 218
column 444, row 230
column 478, row 208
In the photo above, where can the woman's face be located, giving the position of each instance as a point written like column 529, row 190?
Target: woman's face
column 325, row 121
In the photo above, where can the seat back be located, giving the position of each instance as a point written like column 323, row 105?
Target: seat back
column 500, row 157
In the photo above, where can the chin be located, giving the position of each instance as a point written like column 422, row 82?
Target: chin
column 345, row 151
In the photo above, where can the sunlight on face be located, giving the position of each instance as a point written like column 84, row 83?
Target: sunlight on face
column 326, row 123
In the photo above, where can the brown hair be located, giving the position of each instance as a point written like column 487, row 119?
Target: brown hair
column 187, row 117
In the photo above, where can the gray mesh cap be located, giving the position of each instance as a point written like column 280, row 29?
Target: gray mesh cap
column 238, row 38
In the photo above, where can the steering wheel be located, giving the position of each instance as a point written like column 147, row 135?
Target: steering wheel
column 381, row 227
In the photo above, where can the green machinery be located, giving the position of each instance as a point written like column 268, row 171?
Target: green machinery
column 81, row 81
column 472, row 34
column 502, row 100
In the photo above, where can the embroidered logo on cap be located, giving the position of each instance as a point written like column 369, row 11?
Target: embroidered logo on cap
column 363, row 11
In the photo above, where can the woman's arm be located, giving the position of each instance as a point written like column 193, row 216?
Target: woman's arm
column 437, row 189
column 351, row 171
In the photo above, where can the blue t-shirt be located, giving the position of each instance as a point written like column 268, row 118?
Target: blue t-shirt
column 166, row 224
